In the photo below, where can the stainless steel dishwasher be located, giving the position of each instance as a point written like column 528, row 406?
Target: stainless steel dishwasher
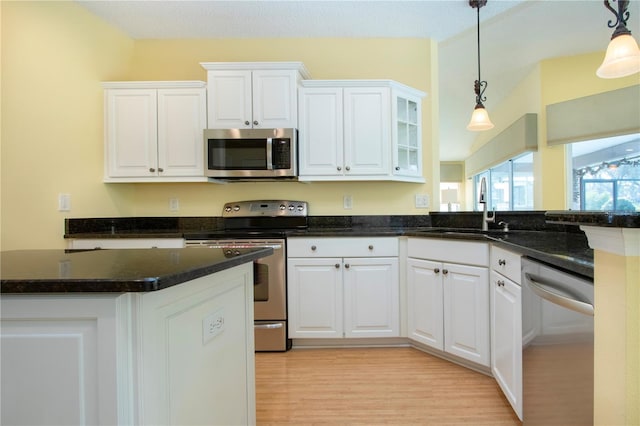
column 557, row 346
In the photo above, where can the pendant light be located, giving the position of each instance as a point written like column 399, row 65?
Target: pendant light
column 623, row 56
column 480, row 117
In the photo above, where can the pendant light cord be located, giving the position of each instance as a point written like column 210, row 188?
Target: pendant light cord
column 478, row 27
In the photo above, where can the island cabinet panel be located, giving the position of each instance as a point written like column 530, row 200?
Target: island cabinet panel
column 196, row 348
column 58, row 360
column 179, row 356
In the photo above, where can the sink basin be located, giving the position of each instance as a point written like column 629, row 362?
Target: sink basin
column 468, row 233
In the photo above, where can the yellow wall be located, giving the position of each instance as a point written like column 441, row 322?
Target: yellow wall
column 405, row 60
column 563, row 79
column 552, row 81
column 55, row 54
column 523, row 99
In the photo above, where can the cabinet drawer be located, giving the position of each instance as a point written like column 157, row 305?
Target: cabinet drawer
column 506, row 262
column 342, row 247
column 465, row 252
column 125, row 243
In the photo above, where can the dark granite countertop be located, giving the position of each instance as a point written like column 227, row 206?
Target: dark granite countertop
column 566, row 250
column 595, row 218
column 545, row 236
column 112, row 271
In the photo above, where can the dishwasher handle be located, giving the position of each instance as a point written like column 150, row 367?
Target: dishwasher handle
column 536, row 285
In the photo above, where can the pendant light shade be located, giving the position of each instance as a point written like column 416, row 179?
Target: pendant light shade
column 623, row 56
column 480, row 118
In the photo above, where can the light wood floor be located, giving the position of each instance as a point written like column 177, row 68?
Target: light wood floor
column 399, row 386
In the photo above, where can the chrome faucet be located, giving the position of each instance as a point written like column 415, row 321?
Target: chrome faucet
column 486, row 219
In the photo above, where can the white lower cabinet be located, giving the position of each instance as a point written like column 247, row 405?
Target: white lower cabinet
column 506, row 325
column 343, row 297
column 448, row 303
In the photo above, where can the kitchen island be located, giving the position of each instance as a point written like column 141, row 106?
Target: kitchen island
column 145, row 337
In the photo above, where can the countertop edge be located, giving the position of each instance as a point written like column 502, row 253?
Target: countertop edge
column 124, row 285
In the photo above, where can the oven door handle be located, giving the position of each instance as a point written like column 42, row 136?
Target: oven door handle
column 536, row 285
column 269, row 326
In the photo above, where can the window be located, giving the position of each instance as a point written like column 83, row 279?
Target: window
column 606, row 174
column 449, row 196
column 509, row 185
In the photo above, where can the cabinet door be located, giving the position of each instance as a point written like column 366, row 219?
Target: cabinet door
column 466, row 312
column 371, row 297
column 506, row 338
column 321, row 132
column 425, row 309
column 181, row 120
column 367, row 134
column 407, row 145
column 131, row 132
column 229, row 100
column 275, row 99
column 315, row 298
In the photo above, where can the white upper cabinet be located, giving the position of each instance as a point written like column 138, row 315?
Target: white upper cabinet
column 359, row 130
column 153, row 131
column 246, row 95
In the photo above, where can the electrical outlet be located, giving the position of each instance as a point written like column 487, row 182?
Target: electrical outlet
column 212, row 325
column 422, row 201
column 347, row 202
column 174, row 204
column 64, row 202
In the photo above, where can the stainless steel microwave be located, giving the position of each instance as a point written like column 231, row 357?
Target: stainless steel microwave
column 251, row 153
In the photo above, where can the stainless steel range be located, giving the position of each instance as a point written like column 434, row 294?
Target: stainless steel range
column 261, row 223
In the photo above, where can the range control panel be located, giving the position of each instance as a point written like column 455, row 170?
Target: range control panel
column 267, row 208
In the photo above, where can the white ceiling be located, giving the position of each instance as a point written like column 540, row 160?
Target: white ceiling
column 515, row 35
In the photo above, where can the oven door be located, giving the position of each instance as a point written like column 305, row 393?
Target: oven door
column 269, row 290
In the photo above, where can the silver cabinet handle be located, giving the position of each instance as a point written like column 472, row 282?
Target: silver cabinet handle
column 246, row 123
column 339, row 168
column 535, row 284
column 436, row 270
column 337, row 265
column 370, row 247
column 500, row 283
column 346, row 265
column 313, row 248
column 502, row 262
column 255, row 122
column 348, row 168
column 269, row 326
column 445, row 271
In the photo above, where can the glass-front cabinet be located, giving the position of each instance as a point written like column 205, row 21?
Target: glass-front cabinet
column 407, row 152
column 362, row 130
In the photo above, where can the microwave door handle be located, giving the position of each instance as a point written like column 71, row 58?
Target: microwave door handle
column 269, row 152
